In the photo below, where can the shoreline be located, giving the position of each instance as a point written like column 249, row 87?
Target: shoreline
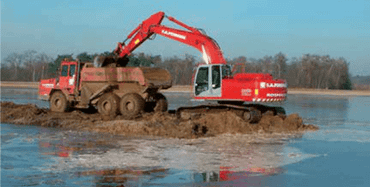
column 187, row 89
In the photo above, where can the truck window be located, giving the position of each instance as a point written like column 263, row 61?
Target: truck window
column 72, row 70
column 64, row 71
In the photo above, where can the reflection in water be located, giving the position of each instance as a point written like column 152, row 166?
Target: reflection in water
column 68, row 143
column 131, row 161
column 121, row 177
column 222, row 158
column 225, row 174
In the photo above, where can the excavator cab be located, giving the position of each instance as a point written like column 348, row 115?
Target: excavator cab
column 208, row 79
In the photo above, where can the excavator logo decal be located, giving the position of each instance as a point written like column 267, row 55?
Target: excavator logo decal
column 276, row 85
column 174, row 34
column 272, row 85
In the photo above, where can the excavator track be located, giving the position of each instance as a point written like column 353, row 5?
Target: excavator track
column 251, row 113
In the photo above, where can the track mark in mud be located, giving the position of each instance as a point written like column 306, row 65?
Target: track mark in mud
column 157, row 124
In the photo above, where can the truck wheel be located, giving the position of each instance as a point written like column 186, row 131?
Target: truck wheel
column 108, row 105
column 161, row 104
column 131, row 105
column 58, row 102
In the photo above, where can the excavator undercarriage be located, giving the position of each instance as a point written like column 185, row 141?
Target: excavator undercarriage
column 251, row 113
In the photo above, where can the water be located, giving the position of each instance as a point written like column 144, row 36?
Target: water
column 335, row 155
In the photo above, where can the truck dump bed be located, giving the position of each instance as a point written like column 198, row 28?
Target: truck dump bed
column 143, row 75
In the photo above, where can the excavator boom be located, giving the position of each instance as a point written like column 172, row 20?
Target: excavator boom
column 212, row 53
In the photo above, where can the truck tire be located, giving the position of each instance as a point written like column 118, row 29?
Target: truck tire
column 131, row 105
column 58, row 102
column 161, row 104
column 108, row 105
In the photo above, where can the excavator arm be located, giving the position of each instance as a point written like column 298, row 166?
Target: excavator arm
column 212, row 53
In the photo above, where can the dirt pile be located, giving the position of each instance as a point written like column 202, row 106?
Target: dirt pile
column 158, row 124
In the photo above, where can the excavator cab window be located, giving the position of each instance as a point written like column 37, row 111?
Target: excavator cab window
column 226, row 71
column 201, row 83
column 216, row 77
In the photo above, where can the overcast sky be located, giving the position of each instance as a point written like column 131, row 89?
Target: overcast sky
column 242, row 28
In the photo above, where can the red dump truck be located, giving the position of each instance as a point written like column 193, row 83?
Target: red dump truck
column 112, row 90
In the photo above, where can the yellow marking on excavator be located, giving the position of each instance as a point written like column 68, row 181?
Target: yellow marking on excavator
column 137, row 41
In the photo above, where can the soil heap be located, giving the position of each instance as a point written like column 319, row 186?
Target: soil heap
column 152, row 124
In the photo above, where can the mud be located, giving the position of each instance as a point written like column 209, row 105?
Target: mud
column 152, row 124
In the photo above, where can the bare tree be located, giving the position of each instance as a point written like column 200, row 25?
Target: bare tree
column 280, row 65
column 42, row 65
column 14, row 60
column 30, row 62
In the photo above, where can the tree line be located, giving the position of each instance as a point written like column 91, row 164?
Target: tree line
column 308, row 71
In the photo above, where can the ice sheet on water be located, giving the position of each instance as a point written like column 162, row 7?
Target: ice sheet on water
column 196, row 155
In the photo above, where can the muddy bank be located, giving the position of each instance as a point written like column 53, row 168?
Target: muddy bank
column 159, row 124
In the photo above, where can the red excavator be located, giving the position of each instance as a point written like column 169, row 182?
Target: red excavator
column 213, row 80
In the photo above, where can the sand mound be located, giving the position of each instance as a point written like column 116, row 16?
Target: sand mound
column 154, row 124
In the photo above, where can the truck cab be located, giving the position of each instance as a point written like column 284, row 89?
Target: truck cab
column 68, row 77
column 66, row 80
